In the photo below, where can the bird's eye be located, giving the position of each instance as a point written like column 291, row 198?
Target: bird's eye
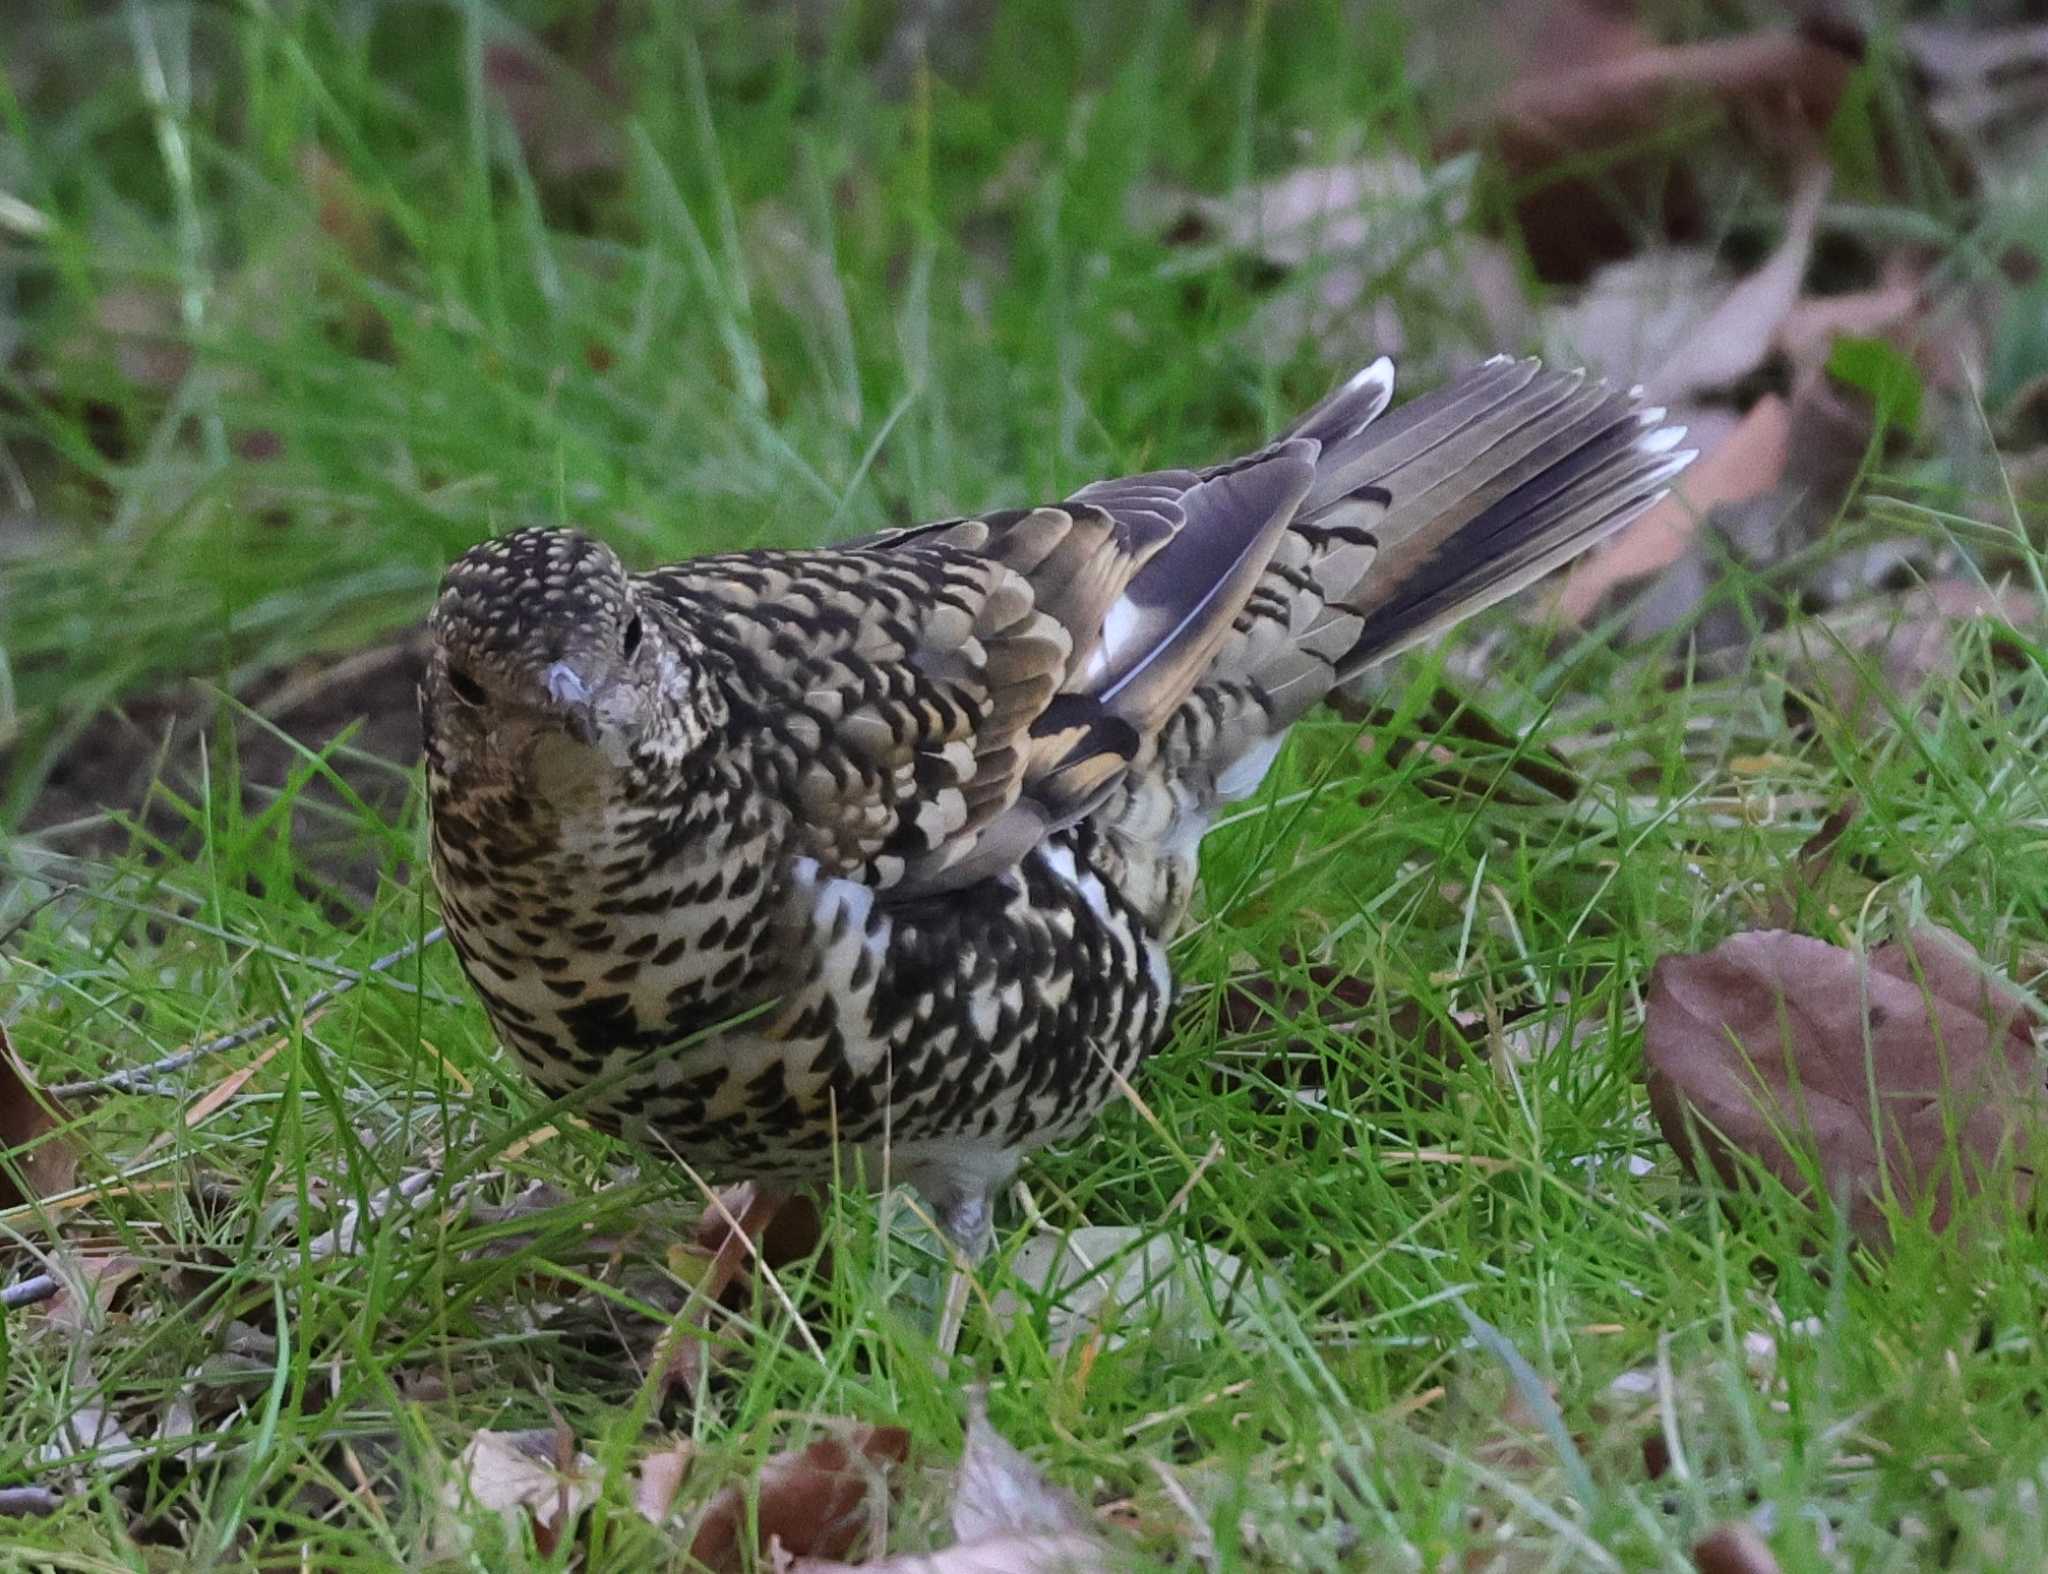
column 466, row 688
column 631, row 641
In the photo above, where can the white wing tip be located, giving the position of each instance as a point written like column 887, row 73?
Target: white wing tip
column 1662, row 440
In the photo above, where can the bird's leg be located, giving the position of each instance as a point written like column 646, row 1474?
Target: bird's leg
column 964, row 1209
column 959, row 1280
column 970, row 1224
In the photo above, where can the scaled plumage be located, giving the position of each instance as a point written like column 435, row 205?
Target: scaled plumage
column 878, row 849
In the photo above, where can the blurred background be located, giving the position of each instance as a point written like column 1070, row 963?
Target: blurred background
column 297, row 299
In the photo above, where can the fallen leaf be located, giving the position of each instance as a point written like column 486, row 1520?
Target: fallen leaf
column 344, row 210
column 140, row 325
column 90, row 1281
column 1734, row 1548
column 77, row 1313
column 1813, row 324
column 1810, row 868
column 1889, row 651
column 659, row 1478
column 1774, row 1045
column 564, row 118
column 1000, row 1492
column 1348, row 230
column 1989, row 87
column 1671, row 320
column 1826, row 439
column 1732, row 340
column 816, row 1502
column 1007, row 1519
column 743, row 1228
column 1559, row 117
column 1116, row 1281
column 35, row 1162
column 405, row 1195
column 538, row 1476
column 1744, row 465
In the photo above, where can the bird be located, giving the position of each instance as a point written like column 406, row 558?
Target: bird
column 770, row 859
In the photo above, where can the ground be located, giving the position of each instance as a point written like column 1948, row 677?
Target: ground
column 298, row 301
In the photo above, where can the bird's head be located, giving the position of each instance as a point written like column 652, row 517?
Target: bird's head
column 546, row 652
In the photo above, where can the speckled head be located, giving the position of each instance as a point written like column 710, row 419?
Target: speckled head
column 539, row 635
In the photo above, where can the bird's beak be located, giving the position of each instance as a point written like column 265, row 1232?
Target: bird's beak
column 573, row 698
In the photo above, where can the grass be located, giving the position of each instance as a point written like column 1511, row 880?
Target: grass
column 790, row 297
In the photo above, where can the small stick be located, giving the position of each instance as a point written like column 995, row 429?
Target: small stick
column 137, row 1079
column 27, row 1292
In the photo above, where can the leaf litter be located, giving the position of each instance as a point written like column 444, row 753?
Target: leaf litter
column 37, row 1158
column 1007, row 1519
column 1908, row 1078
column 1107, row 1284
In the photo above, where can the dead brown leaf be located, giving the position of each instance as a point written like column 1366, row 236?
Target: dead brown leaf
column 1827, row 437
column 1774, row 1045
column 1732, row 339
column 816, row 1502
column 564, row 117
column 140, row 325
column 743, row 1229
column 35, row 1162
column 90, row 1280
column 1737, row 1547
column 539, row 1476
column 1634, row 91
column 1347, row 229
column 1810, row 868
column 659, row 1478
column 1988, row 87
column 1599, row 91
column 1007, row 1519
column 1890, row 310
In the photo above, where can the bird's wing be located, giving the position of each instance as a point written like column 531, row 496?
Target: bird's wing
column 946, row 695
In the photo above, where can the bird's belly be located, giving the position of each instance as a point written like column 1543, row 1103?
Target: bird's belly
column 920, row 1033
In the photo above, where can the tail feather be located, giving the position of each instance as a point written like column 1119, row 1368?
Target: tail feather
column 1511, row 491
column 1412, row 521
